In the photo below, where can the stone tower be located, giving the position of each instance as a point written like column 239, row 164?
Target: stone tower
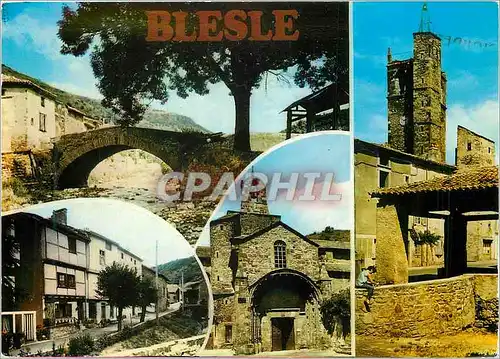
column 416, row 98
column 429, row 98
column 253, row 202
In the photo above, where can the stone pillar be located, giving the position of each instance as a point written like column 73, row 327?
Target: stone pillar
column 242, row 319
column 391, row 262
column 455, row 245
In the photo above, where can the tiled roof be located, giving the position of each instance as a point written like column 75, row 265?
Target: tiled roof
column 8, row 79
column 467, row 179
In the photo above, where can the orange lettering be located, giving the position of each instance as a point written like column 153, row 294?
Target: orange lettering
column 256, row 35
column 208, row 26
column 159, row 28
column 238, row 27
column 180, row 27
column 282, row 25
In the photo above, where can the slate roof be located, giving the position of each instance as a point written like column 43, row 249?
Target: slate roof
column 468, row 179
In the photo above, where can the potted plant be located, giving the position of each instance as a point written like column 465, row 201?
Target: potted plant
column 18, row 340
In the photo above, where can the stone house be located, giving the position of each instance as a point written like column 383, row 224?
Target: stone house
column 102, row 253
column 267, row 283
column 163, row 298
column 416, row 151
column 174, row 294
column 53, row 265
column 28, row 115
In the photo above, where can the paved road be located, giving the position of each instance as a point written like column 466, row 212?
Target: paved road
column 47, row 345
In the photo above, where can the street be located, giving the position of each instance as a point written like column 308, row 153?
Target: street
column 97, row 332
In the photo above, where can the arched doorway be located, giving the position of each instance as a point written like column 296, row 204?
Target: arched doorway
column 285, row 308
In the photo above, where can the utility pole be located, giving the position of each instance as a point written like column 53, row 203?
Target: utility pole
column 157, row 291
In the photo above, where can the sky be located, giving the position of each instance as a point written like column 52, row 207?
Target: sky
column 133, row 227
column 321, row 152
column 30, row 45
column 472, row 72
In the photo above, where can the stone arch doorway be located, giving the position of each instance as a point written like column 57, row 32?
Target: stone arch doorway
column 284, row 311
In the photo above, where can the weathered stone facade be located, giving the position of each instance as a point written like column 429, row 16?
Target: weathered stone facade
column 473, row 150
column 268, row 281
column 417, row 100
column 426, row 309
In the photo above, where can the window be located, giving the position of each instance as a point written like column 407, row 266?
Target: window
column 469, row 146
column 3, row 92
column 122, row 255
column 131, row 259
column 61, row 280
column 108, row 246
column 383, row 181
column 407, row 179
column 41, row 122
column 111, row 311
column 487, row 246
column 66, row 281
column 489, row 149
column 229, row 333
column 72, row 245
column 32, row 121
column 102, row 257
column 135, row 262
column 279, row 254
column 70, row 281
column 428, row 116
column 42, row 101
column 416, row 220
column 63, row 310
column 216, row 254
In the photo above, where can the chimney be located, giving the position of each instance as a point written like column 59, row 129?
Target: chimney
column 389, row 55
column 60, row 216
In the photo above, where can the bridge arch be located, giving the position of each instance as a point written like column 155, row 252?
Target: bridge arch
column 76, row 155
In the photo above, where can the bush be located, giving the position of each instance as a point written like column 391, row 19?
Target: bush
column 81, row 345
column 337, row 310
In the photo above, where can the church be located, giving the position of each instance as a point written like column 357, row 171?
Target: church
column 268, row 280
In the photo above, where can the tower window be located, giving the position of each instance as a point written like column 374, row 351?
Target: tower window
column 42, row 101
column 489, row 149
column 383, row 179
column 469, row 146
column 279, row 254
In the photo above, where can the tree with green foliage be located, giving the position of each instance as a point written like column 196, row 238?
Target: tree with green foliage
column 132, row 71
column 146, row 294
column 336, row 311
column 118, row 284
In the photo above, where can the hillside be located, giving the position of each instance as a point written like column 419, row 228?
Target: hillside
column 172, row 270
column 157, row 119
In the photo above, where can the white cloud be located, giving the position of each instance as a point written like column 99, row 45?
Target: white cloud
column 36, row 36
column 482, row 118
column 463, row 80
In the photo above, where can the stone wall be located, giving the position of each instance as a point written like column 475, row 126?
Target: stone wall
column 256, row 256
column 424, row 309
column 18, row 165
column 473, row 150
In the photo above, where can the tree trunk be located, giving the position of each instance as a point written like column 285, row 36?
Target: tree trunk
column 242, row 122
column 120, row 318
column 143, row 313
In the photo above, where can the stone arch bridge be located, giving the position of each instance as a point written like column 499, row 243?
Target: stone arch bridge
column 76, row 155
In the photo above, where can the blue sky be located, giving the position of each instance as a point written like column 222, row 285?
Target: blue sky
column 30, row 45
column 316, row 152
column 472, row 71
column 133, row 227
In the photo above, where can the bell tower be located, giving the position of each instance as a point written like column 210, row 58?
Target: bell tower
column 417, row 97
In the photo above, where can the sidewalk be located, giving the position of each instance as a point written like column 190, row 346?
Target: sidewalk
column 97, row 332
